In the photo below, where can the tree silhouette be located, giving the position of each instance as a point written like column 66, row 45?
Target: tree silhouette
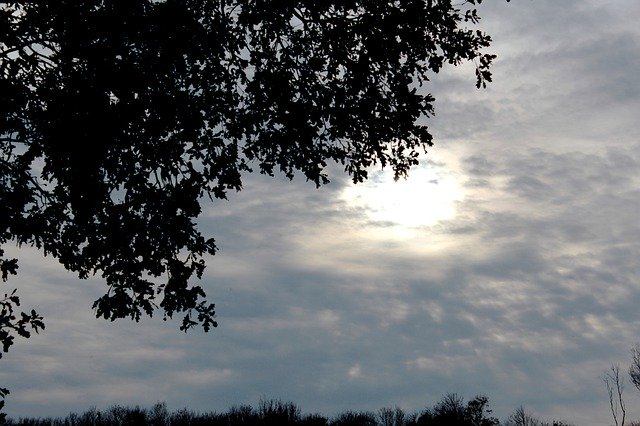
column 615, row 388
column 117, row 118
column 451, row 410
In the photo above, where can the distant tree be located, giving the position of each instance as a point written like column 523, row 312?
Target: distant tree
column 314, row 420
column 452, row 410
column 354, row 418
column 242, row 415
column 118, row 117
column 521, row 417
column 158, row 414
column 478, row 412
column 392, row 417
column 276, row 413
column 615, row 388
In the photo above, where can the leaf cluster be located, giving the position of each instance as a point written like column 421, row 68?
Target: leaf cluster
column 13, row 323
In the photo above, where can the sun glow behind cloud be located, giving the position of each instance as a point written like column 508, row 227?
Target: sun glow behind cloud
column 428, row 196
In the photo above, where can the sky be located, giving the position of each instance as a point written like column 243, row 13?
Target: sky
column 508, row 264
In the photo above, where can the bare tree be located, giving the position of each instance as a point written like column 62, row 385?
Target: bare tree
column 615, row 387
column 391, row 417
column 521, row 417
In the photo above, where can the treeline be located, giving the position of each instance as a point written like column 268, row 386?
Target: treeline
column 452, row 410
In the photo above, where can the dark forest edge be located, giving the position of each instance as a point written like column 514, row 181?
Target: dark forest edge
column 450, row 410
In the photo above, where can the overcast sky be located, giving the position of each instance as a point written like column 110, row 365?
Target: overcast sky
column 508, row 264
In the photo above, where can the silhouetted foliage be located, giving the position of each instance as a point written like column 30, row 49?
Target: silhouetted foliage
column 353, row 418
column 392, row 417
column 522, row 417
column 242, row 415
column 314, row 420
column 158, row 415
column 117, row 118
column 13, row 323
column 452, row 410
column 278, row 413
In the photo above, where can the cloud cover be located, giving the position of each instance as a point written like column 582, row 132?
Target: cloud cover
column 527, row 293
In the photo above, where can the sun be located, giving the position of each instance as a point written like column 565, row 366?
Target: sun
column 428, row 196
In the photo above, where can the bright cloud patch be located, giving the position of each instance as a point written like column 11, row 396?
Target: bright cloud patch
column 426, row 197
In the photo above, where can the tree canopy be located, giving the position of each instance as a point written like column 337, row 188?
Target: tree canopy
column 118, row 119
